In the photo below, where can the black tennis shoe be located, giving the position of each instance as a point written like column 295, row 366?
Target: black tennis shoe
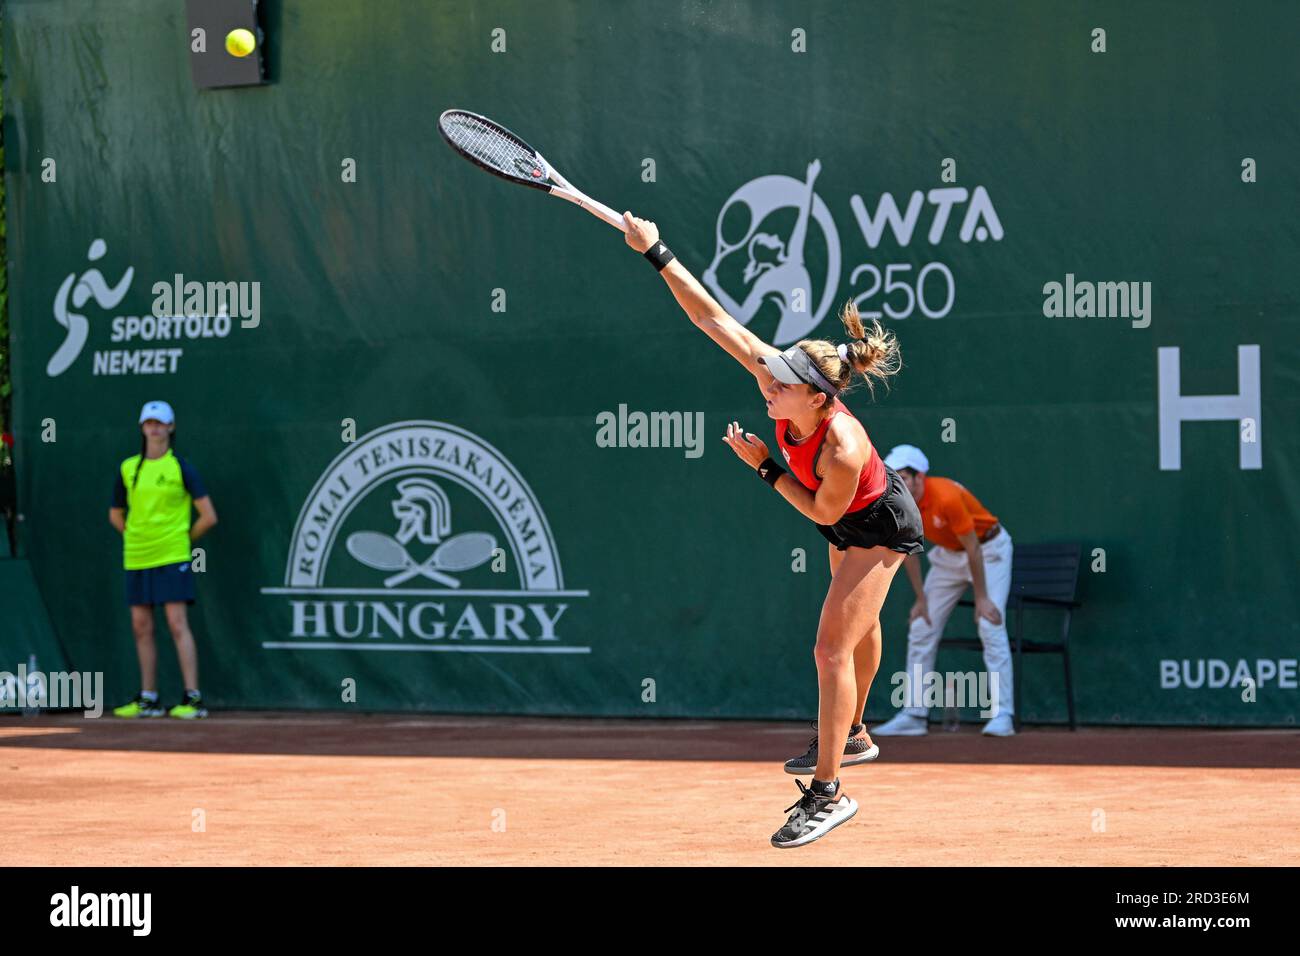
column 856, row 750
column 814, row 816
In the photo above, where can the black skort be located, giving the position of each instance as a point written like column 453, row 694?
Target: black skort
column 891, row 521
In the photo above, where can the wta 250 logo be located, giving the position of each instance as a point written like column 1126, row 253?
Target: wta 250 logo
column 422, row 536
column 764, row 236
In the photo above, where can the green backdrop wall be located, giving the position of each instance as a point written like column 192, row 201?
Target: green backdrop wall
column 379, row 305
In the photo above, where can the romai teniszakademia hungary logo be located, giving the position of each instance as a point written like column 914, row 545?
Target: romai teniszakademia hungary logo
column 422, row 536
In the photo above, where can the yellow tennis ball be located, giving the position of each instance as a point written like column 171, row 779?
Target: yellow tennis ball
column 240, row 42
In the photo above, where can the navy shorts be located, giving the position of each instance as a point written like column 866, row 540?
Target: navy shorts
column 891, row 521
column 164, row 585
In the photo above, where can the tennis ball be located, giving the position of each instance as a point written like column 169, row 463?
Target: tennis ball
column 240, row 42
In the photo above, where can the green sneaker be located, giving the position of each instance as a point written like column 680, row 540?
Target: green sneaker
column 191, row 708
column 140, row 707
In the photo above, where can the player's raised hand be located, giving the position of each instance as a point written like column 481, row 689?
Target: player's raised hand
column 748, row 446
column 641, row 233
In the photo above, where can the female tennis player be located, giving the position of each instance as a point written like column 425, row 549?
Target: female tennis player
column 838, row 481
column 152, row 496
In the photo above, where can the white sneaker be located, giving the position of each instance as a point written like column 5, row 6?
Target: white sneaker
column 1000, row 726
column 902, row 724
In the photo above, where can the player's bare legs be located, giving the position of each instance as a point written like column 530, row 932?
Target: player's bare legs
column 866, row 656
column 866, row 660
column 850, row 618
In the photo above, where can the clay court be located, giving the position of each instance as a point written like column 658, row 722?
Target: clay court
column 394, row 790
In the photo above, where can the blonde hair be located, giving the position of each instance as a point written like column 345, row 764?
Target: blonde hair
column 873, row 353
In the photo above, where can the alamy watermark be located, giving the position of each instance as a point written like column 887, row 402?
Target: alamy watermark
column 1103, row 300
column 946, row 689
column 59, row 690
column 181, row 299
column 75, row 908
column 624, row 429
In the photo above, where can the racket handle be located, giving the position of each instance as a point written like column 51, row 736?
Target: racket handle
column 597, row 209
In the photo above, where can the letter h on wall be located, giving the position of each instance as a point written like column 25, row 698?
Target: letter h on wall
column 1176, row 408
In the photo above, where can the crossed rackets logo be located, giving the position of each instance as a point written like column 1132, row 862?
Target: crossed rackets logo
column 424, row 514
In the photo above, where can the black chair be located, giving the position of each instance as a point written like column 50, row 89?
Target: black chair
column 1043, row 577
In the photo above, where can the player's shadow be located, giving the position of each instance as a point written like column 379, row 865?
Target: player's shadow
column 548, row 738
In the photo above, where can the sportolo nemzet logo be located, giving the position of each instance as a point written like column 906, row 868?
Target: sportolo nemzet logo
column 757, row 265
column 422, row 536
column 151, row 342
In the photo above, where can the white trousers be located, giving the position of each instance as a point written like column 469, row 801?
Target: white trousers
column 946, row 581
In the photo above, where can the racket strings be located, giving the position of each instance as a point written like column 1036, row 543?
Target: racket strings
column 489, row 145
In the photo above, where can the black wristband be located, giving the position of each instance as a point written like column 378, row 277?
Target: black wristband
column 770, row 471
column 659, row 256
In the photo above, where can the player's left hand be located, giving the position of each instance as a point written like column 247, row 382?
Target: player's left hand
column 641, row 233
column 749, row 447
column 984, row 608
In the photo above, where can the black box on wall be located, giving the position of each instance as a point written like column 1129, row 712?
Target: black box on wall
column 211, row 64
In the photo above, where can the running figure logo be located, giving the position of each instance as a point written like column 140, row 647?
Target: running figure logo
column 80, row 289
column 775, row 269
column 423, row 514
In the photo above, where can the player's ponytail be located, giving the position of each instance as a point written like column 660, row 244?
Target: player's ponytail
column 873, row 353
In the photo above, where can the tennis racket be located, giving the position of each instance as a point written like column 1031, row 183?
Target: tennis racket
column 491, row 146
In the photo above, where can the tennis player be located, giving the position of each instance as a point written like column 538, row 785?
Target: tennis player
column 152, row 497
column 839, row 482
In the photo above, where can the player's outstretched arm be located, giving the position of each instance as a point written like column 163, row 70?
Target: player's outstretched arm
column 741, row 344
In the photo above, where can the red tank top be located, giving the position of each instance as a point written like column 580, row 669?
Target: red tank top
column 802, row 459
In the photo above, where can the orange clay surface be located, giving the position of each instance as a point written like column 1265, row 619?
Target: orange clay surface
column 365, row 790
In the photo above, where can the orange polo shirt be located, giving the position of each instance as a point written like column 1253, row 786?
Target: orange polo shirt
column 949, row 510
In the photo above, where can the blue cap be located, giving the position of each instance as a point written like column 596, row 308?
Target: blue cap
column 158, row 411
